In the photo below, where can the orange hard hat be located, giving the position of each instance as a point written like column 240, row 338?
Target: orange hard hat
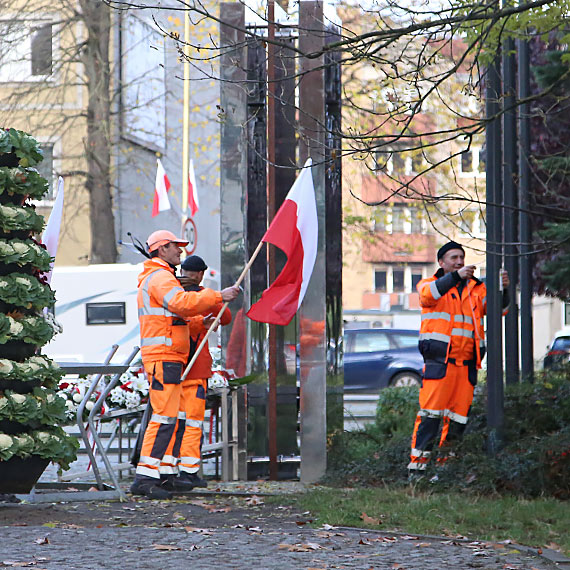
column 162, row 237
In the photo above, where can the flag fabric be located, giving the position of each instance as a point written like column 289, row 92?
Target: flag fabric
column 192, row 190
column 161, row 187
column 294, row 229
column 50, row 237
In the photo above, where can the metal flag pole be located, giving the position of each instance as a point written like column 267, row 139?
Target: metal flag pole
column 186, row 116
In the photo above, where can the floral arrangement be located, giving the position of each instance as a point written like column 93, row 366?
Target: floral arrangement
column 24, row 252
column 36, row 368
column 130, row 392
column 25, row 291
column 54, row 445
column 31, row 413
column 19, row 183
column 25, row 147
column 34, row 329
column 20, row 218
column 41, row 406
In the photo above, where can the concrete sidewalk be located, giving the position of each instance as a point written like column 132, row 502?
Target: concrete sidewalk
column 230, row 527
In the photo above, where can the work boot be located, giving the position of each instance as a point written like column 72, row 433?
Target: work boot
column 149, row 487
column 175, row 484
column 194, row 478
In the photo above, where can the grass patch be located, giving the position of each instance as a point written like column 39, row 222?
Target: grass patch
column 531, row 522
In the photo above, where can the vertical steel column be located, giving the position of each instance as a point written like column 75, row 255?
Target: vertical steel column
column 233, row 192
column 333, row 232
column 510, row 217
column 271, row 209
column 312, row 312
column 494, row 240
column 527, row 350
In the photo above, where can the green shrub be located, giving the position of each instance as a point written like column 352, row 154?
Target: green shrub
column 534, row 458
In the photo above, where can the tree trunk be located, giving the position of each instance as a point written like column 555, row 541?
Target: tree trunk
column 97, row 21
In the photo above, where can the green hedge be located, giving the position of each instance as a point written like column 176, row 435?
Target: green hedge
column 534, row 459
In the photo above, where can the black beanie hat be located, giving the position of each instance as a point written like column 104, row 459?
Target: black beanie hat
column 445, row 248
column 194, row 263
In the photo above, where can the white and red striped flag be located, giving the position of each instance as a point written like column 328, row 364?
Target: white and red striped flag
column 50, row 237
column 161, row 187
column 294, row 229
column 193, row 202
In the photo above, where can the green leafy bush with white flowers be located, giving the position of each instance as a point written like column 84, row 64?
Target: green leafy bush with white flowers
column 24, row 252
column 25, row 291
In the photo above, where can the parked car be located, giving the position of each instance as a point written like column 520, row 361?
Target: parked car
column 376, row 358
column 558, row 354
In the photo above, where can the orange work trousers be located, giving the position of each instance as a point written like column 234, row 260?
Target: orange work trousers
column 185, row 442
column 166, row 398
column 449, row 398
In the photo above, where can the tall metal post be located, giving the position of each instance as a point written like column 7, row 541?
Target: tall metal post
column 494, row 240
column 312, row 312
column 527, row 352
column 271, row 209
column 510, row 218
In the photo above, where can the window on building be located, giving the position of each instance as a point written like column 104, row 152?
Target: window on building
column 380, row 281
column 46, row 169
column 41, row 50
column 380, row 220
column 417, row 162
column 467, row 161
column 26, row 50
column 398, row 219
column 415, row 221
column 398, row 280
column 416, row 278
column 398, row 163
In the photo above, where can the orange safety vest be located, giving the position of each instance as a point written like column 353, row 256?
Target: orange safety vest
column 452, row 326
column 163, row 306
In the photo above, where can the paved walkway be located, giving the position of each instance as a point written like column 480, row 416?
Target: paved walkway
column 224, row 531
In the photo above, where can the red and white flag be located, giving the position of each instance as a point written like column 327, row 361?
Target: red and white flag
column 50, row 237
column 161, row 187
column 193, row 203
column 294, row 229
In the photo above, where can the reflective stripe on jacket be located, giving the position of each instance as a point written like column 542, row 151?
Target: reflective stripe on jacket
column 452, row 326
column 163, row 307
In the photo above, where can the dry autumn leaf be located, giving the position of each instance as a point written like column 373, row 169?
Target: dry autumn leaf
column 165, row 547
column 253, row 501
column 44, row 540
column 370, row 520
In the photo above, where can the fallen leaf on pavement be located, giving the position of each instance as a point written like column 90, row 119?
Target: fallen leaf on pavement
column 370, row 520
column 13, row 564
column 398, row 566
column 510, row 567
column 328, row 527
column 44, row 540
column 305, row 547
column 92, row 489
column 365, row 542
column 386, row 539
column 199, row 530
column 254, row 529
column 422, row 544
column 409, row 537
column 253, row 501
column 165, row 547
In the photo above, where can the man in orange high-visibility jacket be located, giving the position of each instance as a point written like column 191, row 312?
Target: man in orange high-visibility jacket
column 185, row 443
column 163, row 306
column 452, row 342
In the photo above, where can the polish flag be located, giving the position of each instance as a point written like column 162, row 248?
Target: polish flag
column 50, row 237
column 192, row 190
column 294, row 229
column 161, row 187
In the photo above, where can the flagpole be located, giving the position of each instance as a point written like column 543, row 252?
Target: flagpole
column 186, row 116
column 224, row 307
